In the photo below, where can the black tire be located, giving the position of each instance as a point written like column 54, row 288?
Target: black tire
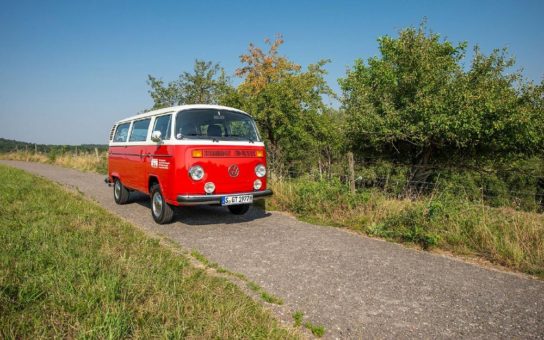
column 239, row 209
column 161, row 211
column 120, row 192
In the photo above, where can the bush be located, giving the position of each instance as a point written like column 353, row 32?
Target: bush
column 414, row 224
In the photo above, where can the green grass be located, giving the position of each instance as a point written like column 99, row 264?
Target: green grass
column 444, row 220
column 270, row 298
column 316, row 330
column 70, row 269
column 298, row 316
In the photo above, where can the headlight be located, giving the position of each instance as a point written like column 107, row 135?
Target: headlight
column 257, row 184
column 209, row 187
column 260, row 170
column 196, row 172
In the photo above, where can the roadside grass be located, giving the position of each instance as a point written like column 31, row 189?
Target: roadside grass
column 298, row 317
column 83, row 161
column 504, row 236
column 70, row 269
column 316, row 330
column 270, row 298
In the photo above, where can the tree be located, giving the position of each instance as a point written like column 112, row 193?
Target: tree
column 208, row 84
column 416, row 102
column 287, row 104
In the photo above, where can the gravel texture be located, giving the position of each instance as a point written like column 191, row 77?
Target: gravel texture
column 355, row 286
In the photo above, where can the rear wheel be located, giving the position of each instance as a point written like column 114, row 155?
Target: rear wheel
column 120, row 192
column 161, row 211
column 239, row 209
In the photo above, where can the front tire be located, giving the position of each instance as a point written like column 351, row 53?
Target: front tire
column 120, row 192
column 239, row 209
column 161, row 211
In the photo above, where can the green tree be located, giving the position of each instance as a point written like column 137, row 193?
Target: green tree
column 287, row 103
column 417, row 103
column 207, row 84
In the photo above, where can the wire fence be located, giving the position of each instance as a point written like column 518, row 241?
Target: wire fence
column 518, row 188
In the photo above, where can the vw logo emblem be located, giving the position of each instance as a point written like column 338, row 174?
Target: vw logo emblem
column 234, row 171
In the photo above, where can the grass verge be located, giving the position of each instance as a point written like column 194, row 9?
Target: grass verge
column 70, row 269
column 504, row 236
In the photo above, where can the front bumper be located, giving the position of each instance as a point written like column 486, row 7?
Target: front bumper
column 216, row 199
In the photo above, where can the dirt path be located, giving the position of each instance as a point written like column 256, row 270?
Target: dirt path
column 354, row 286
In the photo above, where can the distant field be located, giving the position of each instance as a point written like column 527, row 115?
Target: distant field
column 89, row 161
column 70, row 269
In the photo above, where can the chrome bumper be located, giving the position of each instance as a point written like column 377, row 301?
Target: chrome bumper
column 216, row 199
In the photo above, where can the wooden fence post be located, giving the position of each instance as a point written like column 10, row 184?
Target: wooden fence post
column 96, row 153
column 351, row 164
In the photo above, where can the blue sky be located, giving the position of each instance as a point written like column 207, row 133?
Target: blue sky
column 70, row 69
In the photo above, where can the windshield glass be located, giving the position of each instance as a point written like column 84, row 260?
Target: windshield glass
column 215, row 124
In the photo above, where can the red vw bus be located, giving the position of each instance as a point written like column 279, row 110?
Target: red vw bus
column 188, row 155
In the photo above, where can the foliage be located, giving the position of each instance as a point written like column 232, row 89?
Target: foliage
column 69, row 269
column 9, row 145
column 288, row 106
column 208, row 84
column 416, row 103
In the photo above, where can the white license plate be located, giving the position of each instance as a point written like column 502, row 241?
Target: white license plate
column 238, row 199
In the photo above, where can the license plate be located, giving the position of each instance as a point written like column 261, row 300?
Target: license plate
column 238, row 199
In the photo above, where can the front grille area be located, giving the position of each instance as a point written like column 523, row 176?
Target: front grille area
column 229, row 153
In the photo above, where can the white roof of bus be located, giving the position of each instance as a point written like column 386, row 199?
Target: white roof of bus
column 179, row 108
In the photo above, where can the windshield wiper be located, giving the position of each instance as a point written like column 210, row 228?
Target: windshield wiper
column 251, row 140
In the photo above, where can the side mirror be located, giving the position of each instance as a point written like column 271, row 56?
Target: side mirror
column 156, row 136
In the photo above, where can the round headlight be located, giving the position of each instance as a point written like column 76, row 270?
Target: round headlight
column 260, row 170
column 209, row 187
column 196, row 172
column 257, row 184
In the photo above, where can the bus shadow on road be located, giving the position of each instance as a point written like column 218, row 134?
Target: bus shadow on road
column 204, row 214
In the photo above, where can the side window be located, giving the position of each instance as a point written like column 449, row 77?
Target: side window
column 163, row 124
column 112, row 131
column 121, row 133
column 139, row 130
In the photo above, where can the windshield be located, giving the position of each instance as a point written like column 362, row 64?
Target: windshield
column 216, row 125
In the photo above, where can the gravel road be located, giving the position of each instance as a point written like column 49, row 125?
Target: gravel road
column 355, row 286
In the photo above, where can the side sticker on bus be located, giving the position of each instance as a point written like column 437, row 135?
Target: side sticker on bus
column 160, row 164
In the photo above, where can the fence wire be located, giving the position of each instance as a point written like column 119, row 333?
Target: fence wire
column 521, row 190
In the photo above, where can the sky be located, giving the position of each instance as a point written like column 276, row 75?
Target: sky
column 70, row 69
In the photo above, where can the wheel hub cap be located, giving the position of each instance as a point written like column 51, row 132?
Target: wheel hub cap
column 117, row 189
column 157, row 204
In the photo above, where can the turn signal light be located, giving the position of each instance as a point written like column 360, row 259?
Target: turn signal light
column 259, row 153
column 197, row 153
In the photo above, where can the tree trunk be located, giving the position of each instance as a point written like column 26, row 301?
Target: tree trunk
column 540, row 193
column 419, row 173
column 351, row 165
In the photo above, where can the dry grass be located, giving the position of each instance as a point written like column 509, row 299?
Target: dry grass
column 82, row 161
